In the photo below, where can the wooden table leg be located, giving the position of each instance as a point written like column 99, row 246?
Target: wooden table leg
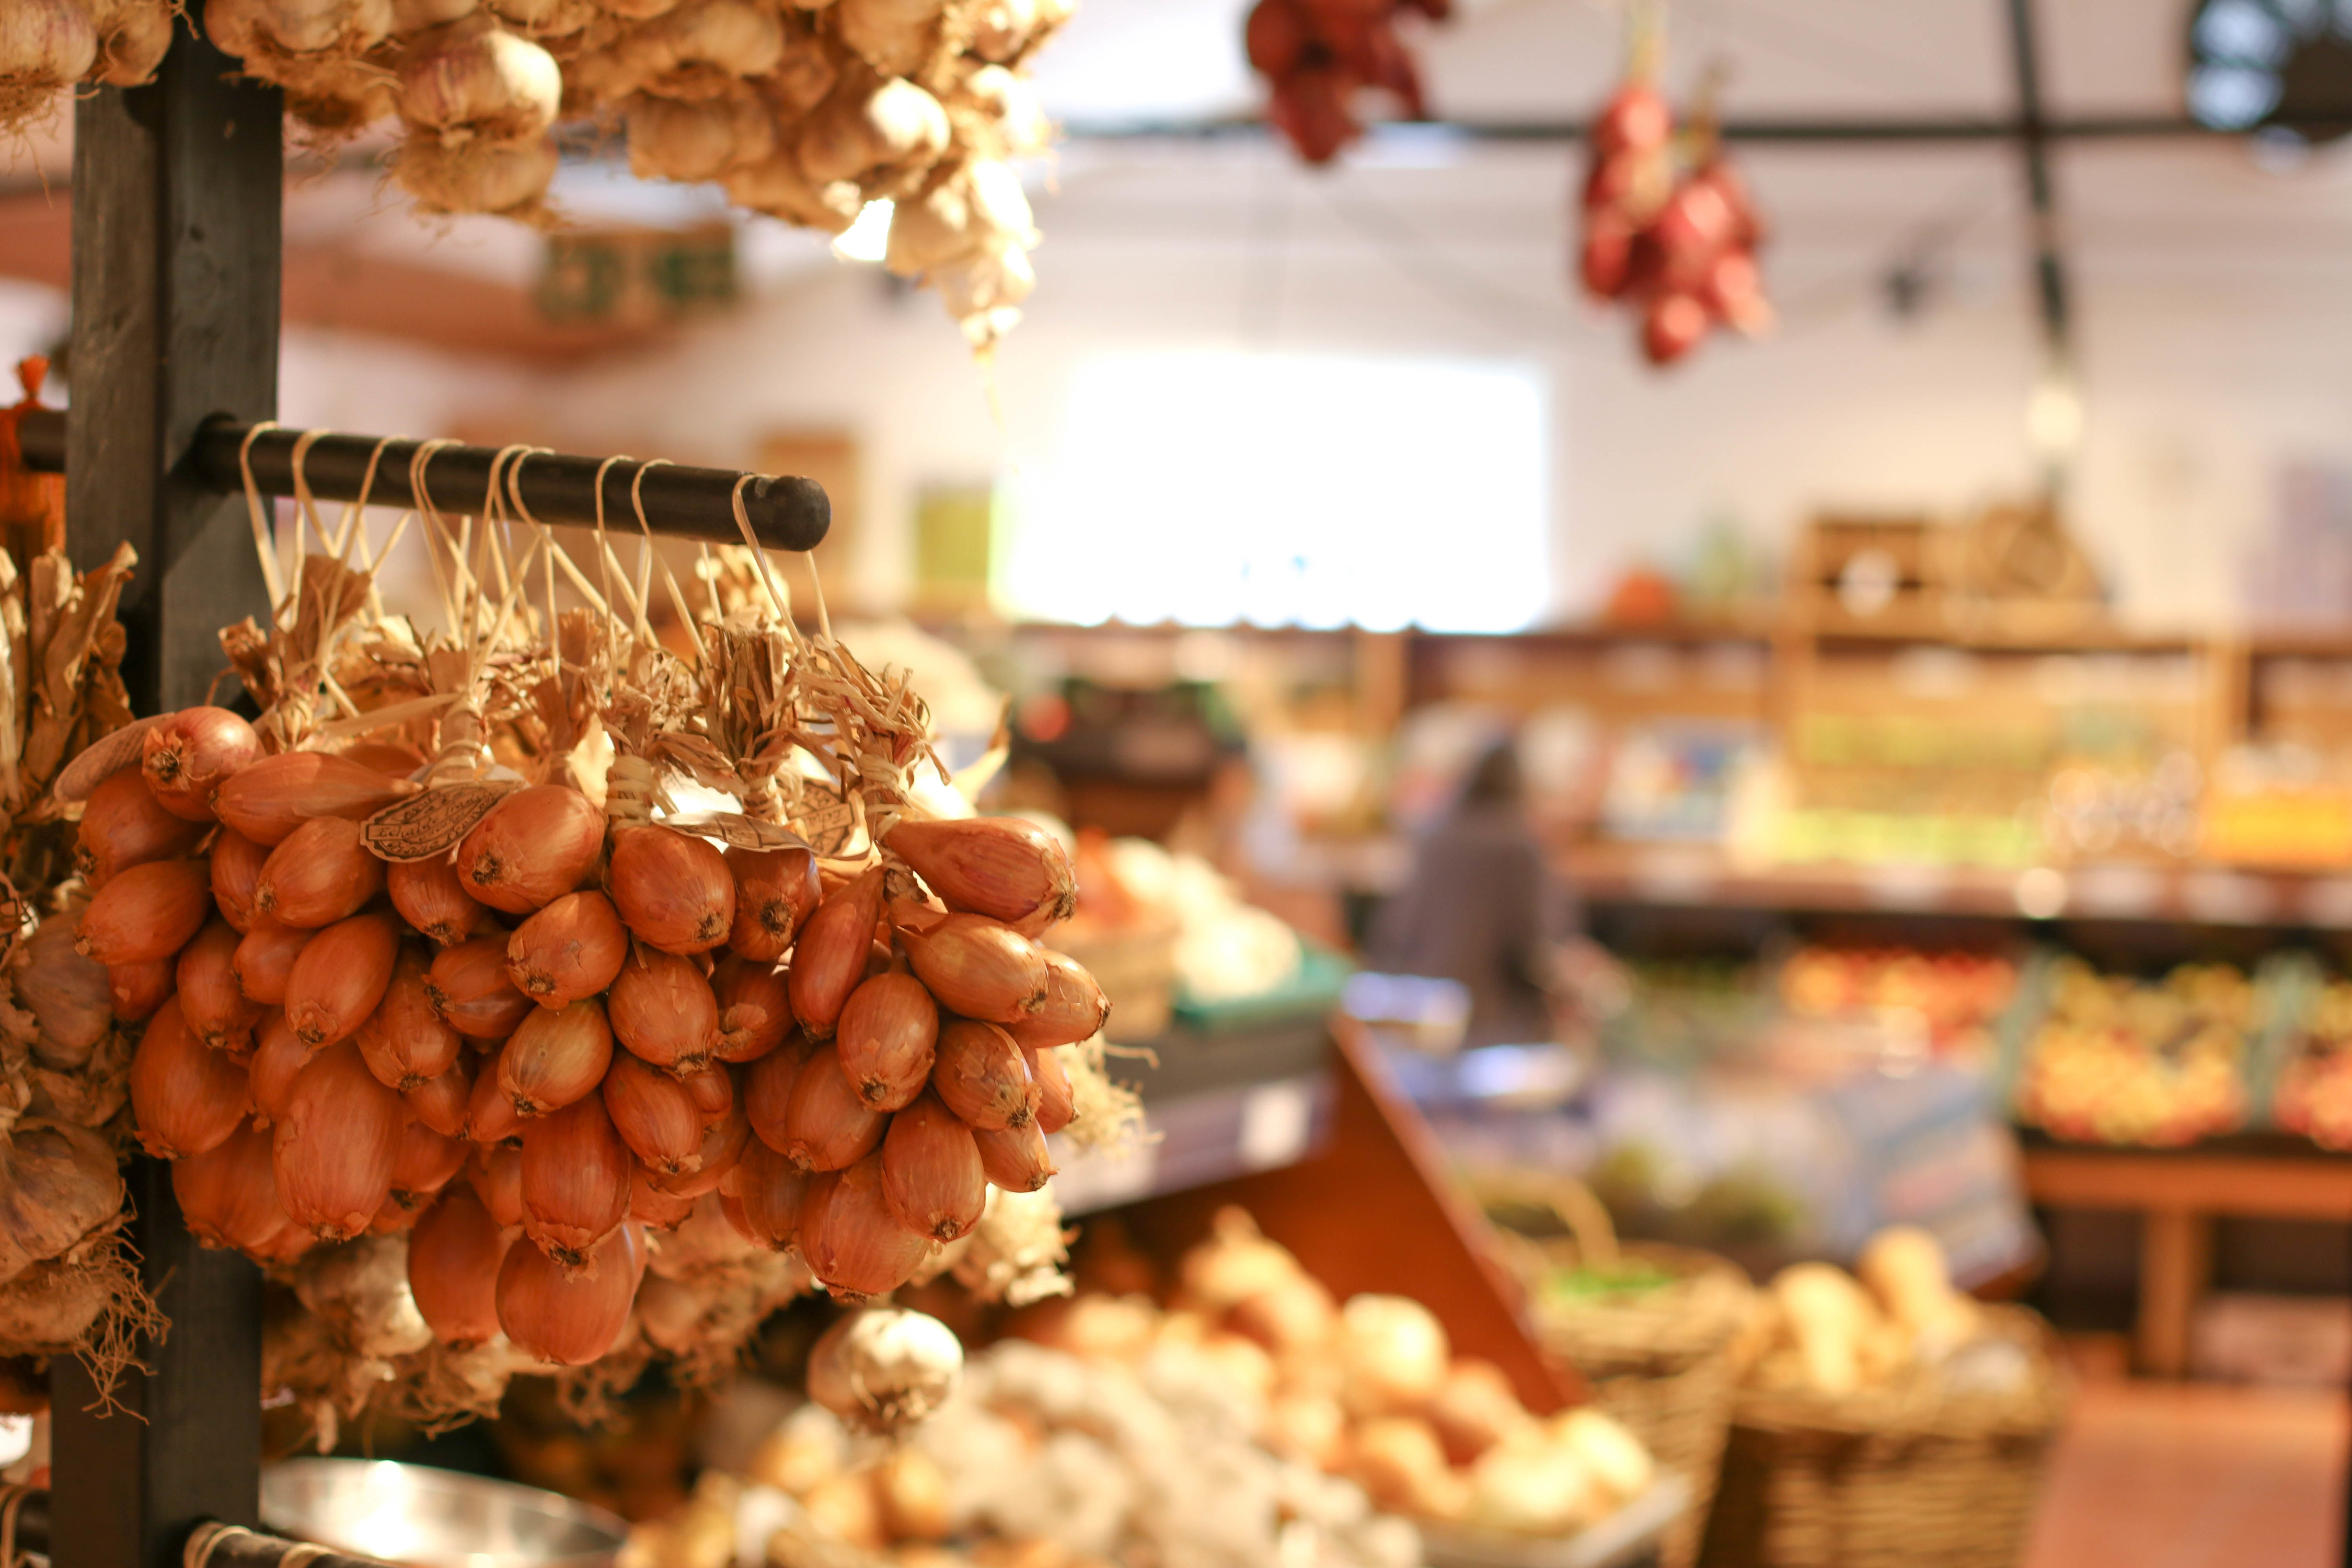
column 2176, row 1262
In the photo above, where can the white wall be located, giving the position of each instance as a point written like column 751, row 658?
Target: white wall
column 2214, row 339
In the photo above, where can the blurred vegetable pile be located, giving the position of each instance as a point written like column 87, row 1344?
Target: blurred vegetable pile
column 1318, row 55
column 1667, row 230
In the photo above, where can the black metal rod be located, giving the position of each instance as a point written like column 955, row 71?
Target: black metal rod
column 2049, row 260
column 786, row 513
column 1795, row 132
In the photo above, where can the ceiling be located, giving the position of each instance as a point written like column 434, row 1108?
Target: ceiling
column 1471, row 218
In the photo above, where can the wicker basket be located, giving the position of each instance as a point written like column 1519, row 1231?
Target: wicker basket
column 1662, row 1362
column 1910, row 1475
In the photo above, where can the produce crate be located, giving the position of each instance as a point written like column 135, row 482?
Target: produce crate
column 2130, row 1098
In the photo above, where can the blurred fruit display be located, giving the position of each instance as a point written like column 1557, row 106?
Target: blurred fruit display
column 1951, row 997
column 1320, row 56
column 2117, row 1059
column 2315, row 1087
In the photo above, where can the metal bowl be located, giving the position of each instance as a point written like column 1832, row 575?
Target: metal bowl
column 435, row 1518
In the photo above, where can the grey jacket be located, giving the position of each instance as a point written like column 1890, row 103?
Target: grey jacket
column 1483, row 908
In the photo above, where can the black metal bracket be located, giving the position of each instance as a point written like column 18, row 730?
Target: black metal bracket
column 785, row 514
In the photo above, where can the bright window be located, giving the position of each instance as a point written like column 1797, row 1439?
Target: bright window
column 1210, row 489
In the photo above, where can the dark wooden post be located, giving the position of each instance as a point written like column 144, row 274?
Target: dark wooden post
column 176, row 194
column 177, row 191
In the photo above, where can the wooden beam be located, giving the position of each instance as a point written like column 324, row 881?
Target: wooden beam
column 176, row 320
column 344, row 288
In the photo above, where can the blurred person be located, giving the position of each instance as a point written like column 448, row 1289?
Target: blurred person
column 1483, row 907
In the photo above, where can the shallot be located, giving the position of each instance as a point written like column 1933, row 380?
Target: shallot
column 467, row 985
column 236, row 863
column 123, row 825
column 570, row 1317
column 146, row 912
column 533, row 847
column 269, row 798
column 555, row 1059
column 852, row 1241
column 983, row 1076
column 932, row 1173
column 184, row 1097
column 340, row 976
column 454, row 1257
column 575, row 1182
column 977, row 966
column 656, row 1115
column 405, row 1042
column 830, row 958
column 569, row 950
column 429, row 896
column 775, row 889
column 887, row 1033
column 321, row 874
column 665, row 1012
column 210, row 1002
column 674, row 890
column 826, row 1123
column 1006, row 868
column 334, row 1148
column 190, row 755
column 263, row 961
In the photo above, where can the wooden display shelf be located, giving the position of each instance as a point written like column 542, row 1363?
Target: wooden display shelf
column 1375, row 1207
column 2179, row 1193
column 1700, row 875
column 1219, row 1105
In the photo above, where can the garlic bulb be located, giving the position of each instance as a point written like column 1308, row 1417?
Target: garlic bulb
column 132, row 38
column 693, row 142
column 868, row 127
column 779, row 189
column 892, row 35
column 480, row 177
column 973, row 205
column 1007, row 112
column 474, row 79
column 258, row 29
column 984, row 291
column 704, row 48
column 46, row 46
column 882, row 1369
column 805, row 73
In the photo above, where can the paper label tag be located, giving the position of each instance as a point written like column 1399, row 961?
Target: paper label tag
column 827, row 820
column 737, row 831
column 431, row 823
column 103, row 758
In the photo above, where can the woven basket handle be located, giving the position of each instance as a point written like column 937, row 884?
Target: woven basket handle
column 1570, row 1202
